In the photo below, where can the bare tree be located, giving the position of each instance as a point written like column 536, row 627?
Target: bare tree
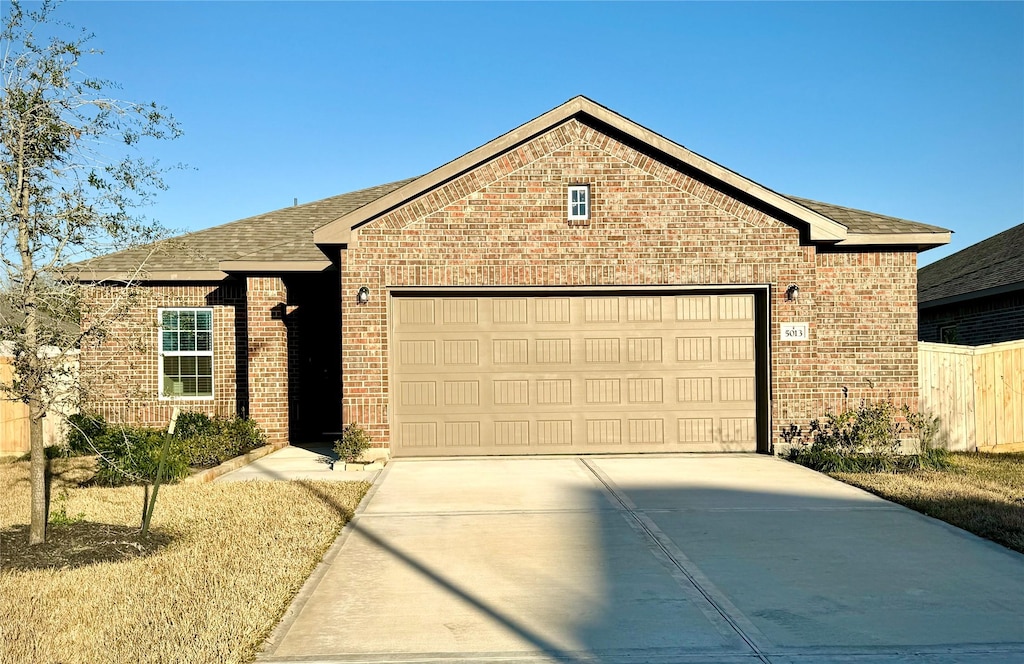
column 73, row 180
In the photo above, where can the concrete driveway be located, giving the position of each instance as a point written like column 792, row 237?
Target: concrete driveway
column 706, row 558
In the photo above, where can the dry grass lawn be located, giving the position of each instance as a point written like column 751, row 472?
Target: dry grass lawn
column 224, row 562
column 981, row 493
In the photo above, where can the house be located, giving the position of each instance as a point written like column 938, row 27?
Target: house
column 579, row 284
column 975, row 296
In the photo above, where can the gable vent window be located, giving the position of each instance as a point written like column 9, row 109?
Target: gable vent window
column 579, row 202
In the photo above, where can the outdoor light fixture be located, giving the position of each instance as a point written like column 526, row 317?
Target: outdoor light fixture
column 792, row 293
column 363, row 295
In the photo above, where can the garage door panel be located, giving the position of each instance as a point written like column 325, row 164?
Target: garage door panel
column 521, row 375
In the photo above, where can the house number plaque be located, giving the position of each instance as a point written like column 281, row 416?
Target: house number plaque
column 793, row 332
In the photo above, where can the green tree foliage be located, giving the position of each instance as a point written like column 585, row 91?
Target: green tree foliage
column 72, row 179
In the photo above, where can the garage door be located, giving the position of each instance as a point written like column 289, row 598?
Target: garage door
column 581, row 374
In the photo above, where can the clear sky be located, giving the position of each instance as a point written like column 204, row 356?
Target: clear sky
column 914, row 110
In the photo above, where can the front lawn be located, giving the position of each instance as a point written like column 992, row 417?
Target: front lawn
column 981, row 493
column 220, row 568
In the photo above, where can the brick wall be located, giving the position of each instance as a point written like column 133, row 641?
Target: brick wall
column 119, row 369
column 252, row 360
column 267, row 312
column 504, row 224
column 987, row 320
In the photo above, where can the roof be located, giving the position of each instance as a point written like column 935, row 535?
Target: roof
column 860, row 221
column 283, row 235
column 290, row 239
column 990, row 267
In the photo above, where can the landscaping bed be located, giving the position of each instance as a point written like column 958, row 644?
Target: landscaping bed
column 981, row 493
column 221, row 565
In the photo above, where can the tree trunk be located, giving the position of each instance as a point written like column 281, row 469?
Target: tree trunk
column 37, row 529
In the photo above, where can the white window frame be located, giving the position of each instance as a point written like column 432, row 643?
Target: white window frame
column 572, row 207
column 183, row 353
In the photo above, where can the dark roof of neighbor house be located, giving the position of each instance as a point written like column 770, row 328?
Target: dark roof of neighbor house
column 985, row 268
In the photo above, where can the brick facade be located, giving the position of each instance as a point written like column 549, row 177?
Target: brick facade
column 986, row 320
column 119, row 370
column 267, row 311
column 504, row 224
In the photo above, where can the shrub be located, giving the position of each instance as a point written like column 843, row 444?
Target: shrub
column 866, row 439
column 130, row 455
column 353, row 443
column 84, row 433
column 192, row 423
column 209, row 441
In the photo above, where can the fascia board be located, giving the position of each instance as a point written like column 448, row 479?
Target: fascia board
column 134, row 276
column 922, row 241
column 274, row 266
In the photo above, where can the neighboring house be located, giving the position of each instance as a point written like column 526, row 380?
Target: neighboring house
column 580, row 284
column 975, row 296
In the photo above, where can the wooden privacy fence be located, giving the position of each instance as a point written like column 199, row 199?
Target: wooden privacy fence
column 14, row 429
column 977, row 392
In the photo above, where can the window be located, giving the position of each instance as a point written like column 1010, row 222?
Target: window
column 186, row 353
column 579, row 201
column 949, row 334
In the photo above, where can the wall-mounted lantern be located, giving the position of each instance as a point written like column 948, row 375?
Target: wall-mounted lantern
column 363, row 295
column 792, row 293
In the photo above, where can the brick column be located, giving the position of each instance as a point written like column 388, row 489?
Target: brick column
column 268, row 356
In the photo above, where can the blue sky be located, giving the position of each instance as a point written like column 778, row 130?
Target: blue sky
column 914, row 110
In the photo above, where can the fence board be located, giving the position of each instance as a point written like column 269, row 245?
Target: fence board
column 13, row 417
column 14, row 423
column 977, row 392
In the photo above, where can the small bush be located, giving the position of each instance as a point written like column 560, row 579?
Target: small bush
column 131, row 455
column 192, row 423
column 353, row 443
column 211, row 441
column 866, row 439
column 84, row 432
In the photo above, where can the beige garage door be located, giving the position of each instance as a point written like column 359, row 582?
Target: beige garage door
column 582, row 374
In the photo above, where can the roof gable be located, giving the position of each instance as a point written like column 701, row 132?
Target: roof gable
column 821, row 227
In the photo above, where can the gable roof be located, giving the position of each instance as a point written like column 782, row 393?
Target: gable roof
column 990, row 267
column 821, row 226
column 291, row 239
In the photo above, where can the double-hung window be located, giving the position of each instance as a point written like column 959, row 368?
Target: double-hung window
column 186, row 353
column 579, row 202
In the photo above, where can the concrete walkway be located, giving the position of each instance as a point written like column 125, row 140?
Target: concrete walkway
column 298, row 463
column 710, row 558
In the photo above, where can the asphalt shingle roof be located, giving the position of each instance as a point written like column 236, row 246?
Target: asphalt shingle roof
column 860, row 221
column 997, row 261
column 286, row 234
